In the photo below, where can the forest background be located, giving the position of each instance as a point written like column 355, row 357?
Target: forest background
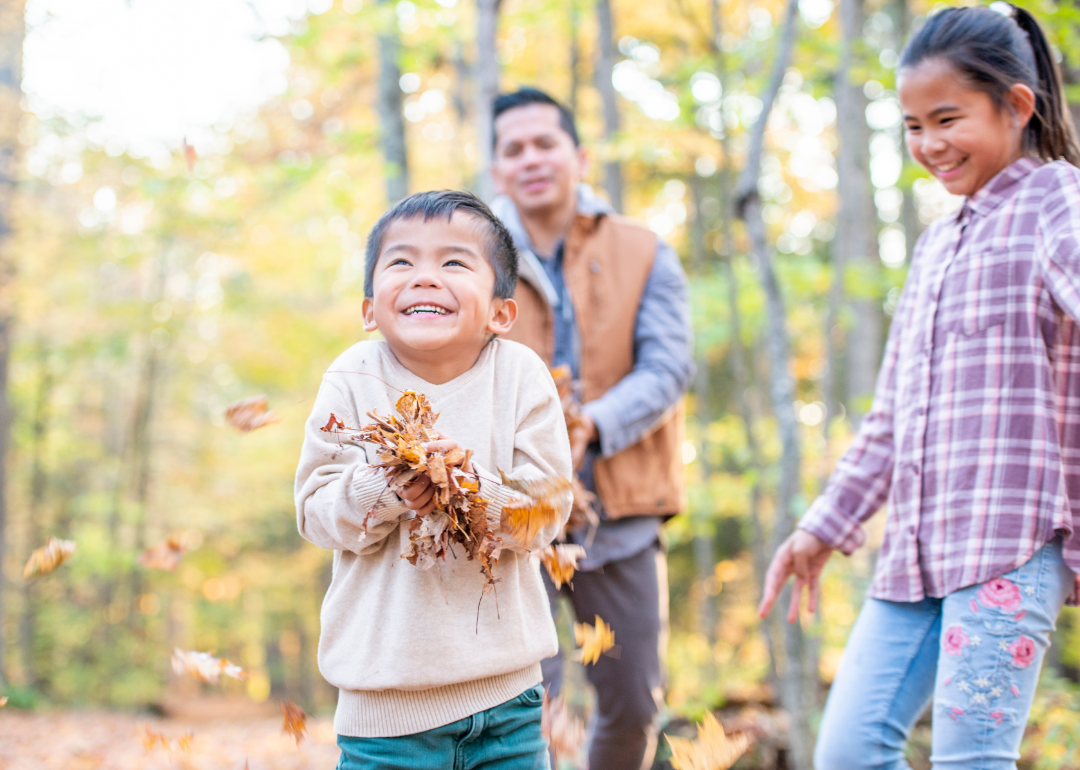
column 143, row 287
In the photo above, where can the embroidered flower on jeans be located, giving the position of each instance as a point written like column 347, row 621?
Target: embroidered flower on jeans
column 955, row 712
column 974, row 606
column 1020, row 615
column 955, row 640
column 1023, row 652
column 1000, row 593
column 1015, row 689
column 997, row 716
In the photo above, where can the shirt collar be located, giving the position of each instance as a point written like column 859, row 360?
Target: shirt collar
column 1001, row 187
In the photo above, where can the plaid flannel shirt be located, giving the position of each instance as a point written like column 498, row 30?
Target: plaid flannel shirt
column 974, row 433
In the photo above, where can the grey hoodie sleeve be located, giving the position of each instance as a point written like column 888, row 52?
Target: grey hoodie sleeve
column 663, row 359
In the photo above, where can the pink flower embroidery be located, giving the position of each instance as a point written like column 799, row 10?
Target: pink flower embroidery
column 974, row 606
column 1023, row 652
column 1020, row 615
column 1015, row 689
column 948, row 681
column 997, row 716
column 956, row 712
column 955, row 640
column 1001, row 593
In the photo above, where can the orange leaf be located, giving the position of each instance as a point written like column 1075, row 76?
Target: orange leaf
column 153, row 738
column 250, row 413
column 594, row 641
column 561, row 561
column 48, row 557
column 163, row 556
column 712, row 750
column 295, row 721
column 521, row 520
column 564, row 732
column 3, row 701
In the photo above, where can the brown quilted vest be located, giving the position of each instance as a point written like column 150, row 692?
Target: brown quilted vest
column 606, row 262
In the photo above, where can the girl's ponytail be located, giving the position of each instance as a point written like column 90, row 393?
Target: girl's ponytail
column 1052, row 132
column 995, row 49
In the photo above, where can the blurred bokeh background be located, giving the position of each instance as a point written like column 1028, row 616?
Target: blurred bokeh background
column 185, row 190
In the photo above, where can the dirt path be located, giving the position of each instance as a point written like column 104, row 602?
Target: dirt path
column 68, row 740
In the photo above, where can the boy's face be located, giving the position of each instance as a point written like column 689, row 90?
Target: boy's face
column 433, row 297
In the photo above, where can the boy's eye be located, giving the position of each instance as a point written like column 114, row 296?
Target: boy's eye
column 455, row 262
column 399, row 261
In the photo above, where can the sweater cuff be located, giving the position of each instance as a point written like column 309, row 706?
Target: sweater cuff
column 374, row 497
column 832, row 527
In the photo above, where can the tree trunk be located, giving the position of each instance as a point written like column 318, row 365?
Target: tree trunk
column 12, row 28
column 575, row 56
column 487, row 89
column 35, row 531
column 855, row 246
column 605, row 66
column 794, row 694
column 391, row 120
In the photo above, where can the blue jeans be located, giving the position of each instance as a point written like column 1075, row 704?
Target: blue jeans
column 505, row 737
column 976, row 654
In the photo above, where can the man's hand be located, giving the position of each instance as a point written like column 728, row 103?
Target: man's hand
column 802, row 555
column 583, row 433
column 419, row 495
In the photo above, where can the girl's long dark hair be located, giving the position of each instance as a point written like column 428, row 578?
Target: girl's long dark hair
column 994, row 52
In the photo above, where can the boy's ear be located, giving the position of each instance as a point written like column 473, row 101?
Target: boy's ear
column 506, row 311
column 368, row 309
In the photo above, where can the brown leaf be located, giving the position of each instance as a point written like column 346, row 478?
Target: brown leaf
column 250, row 413
column 712, row 750
column 204, row 666
column 3, row 701
column 295, row 720
column 48, row 557
column 165, row 556
column 594, row 641
column 564, row 732
column 561, row 561
column 521, row 520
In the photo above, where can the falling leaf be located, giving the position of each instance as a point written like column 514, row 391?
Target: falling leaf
column 295, row 720
column 164, row 556
column 250, row 413
column 184, row 741
column 594, row 641
column 541, row 506
column 48, row 557
column 3, row 701
column 204, row 666
column 153, row 738
column 564, row 732
column 561, row 561
column 712, row 750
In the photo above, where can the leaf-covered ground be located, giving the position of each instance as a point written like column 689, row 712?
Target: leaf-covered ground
column 68, row 740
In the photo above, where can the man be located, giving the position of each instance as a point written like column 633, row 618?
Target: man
column 601, row 294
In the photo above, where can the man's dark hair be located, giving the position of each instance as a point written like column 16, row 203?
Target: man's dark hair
column 501, row 252
column 526, row 96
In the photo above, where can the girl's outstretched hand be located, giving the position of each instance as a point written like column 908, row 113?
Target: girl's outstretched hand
column 802, row 555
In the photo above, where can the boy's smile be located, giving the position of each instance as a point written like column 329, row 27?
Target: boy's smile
column 433, row 296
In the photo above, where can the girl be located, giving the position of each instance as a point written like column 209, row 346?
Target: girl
column 974, row 435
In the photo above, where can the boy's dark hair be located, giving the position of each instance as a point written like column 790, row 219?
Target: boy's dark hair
column 994, row 51
column 501, row 252
column 526, row 96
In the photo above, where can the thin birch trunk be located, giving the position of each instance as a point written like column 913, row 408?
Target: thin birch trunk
column 575, row 55
column 12, row 29
column 487, row 89
column 855, row 246
column 793, row 690
column 391, row 119
column 605, row 66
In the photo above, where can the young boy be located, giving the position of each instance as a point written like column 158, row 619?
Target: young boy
column 426, row 679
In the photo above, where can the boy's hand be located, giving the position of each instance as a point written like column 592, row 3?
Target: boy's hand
column 419, row 495
column 802, row 555
column 583, row 434
column 443, row 444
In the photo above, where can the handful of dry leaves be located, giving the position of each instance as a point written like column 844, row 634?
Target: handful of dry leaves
column 461, row 514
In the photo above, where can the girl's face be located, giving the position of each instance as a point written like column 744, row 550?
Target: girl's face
column 957, row 132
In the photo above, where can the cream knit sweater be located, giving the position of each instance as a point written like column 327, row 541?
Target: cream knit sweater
column 407, row 647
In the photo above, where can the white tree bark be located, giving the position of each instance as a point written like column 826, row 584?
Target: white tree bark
column 605, row 66
column 487, row 89
column 391, row 119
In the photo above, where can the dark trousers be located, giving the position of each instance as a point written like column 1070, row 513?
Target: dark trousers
column 630, row 595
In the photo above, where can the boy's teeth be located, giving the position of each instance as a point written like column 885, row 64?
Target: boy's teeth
column 425, row 309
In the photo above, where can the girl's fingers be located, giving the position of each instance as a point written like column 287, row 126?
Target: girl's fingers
column 813, row 594
column 774, row 581
column 796, row 596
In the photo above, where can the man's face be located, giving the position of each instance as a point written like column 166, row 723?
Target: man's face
column 536, row 162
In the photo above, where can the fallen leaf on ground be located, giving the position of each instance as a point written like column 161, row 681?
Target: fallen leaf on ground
column 712, row 750
column 250, row 413
column 184, row 741
column 560, row 561
column 594, row 640
column 295, row 721
column 564, row 732
column 153, row 738
column 204, row 666
column 164, row 556
column 48, row 557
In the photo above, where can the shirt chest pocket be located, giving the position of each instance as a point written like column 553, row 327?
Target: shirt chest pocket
column 978, row 291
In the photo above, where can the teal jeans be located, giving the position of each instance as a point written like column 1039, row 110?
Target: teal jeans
column 506, row 737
